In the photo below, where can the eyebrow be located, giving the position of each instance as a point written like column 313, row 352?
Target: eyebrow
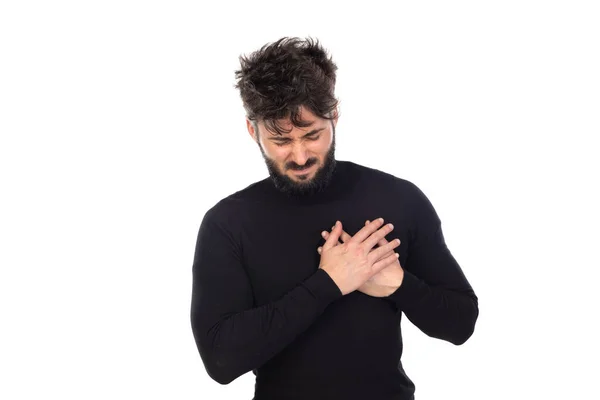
column 311, row 133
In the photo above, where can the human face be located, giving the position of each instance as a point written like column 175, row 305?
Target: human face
column 302, row 161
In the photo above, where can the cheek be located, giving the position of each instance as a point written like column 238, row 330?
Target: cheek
column 321, row 147
column 272, row 151
column 325, row 142
column 279, row 153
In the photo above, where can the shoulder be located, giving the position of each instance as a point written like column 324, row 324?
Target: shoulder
column 382, row 179
column 235, row 203
column 404, row 192
column 225, row 215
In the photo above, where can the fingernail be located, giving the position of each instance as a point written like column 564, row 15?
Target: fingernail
column 380, row 220
column 323, row 233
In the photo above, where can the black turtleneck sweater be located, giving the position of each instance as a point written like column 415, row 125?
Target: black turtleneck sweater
column 260, row 303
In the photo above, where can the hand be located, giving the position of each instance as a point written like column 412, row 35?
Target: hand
column 383, row 283
column 352, row 263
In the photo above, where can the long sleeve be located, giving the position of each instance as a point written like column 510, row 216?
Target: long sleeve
column 234, row 337
column 435, row 294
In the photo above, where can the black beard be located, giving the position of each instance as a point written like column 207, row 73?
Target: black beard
column 315, row 185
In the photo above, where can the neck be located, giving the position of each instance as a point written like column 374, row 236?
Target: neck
column 341, row 181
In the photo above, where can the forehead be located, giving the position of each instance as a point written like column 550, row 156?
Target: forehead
column 310, row 121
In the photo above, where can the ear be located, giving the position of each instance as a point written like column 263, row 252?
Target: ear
column 250, row 126
column 336, row 116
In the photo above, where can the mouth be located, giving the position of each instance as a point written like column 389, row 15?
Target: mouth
column 302, row 171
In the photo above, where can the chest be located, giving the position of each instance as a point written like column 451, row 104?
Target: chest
column 280, row 246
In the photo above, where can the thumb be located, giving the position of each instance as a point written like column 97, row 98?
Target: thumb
column 334, row 236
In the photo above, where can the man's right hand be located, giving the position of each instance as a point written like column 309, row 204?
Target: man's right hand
column 352, row 263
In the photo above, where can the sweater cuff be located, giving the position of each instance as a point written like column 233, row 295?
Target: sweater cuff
column 322, row 287
column 411, row 289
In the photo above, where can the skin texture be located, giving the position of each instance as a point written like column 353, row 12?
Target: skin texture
column 383, row 283
column 286, row 154
column 352, row 263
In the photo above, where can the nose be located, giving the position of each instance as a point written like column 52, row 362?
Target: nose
column 299, row 154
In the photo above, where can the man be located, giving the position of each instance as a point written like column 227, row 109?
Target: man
column 313, row 309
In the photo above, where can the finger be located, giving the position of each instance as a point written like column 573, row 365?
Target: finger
column 385, row 262
column 372, row 240
column 344, row 236
column 325, row 235
column 380, row 252
column 382, row 241
column 375, row 259
column 366, row 231
column 319, row 249
column 333, row 237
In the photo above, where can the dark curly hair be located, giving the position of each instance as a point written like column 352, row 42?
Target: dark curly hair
column 278, row 79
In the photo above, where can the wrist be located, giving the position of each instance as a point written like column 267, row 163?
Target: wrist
column 388, row 290
column 393, row 288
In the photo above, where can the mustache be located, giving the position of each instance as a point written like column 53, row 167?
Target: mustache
column 297, row 168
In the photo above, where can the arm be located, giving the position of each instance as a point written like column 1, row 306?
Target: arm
column 435, row 294
column 232, row 336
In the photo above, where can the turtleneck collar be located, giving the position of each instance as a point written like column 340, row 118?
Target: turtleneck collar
column 343, row 179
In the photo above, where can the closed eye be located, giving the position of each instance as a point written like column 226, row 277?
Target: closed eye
column 283, row 143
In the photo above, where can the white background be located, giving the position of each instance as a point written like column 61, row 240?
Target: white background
column 120, row 127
